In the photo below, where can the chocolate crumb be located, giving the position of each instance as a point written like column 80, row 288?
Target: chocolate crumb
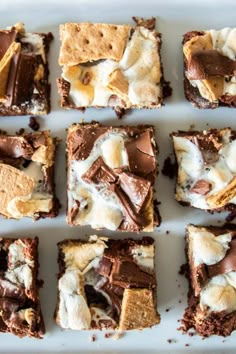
column 171, row 341
column 108, row 335
column 93, row 338
column 118, row 335
column 169, row 168
column 230, row 217
column 34, row 124
column 184, row 269
column 186, row 345
column 192, row 127
column 3, row 132
column 168, row 309
column 20, row 131
column 191, row 334
column 180, row 301
column 167, row 232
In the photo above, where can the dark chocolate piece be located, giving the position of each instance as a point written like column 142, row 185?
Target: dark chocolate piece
column 19, row 297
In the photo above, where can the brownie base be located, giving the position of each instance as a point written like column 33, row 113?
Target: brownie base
column 192, row 93
column 42, row 99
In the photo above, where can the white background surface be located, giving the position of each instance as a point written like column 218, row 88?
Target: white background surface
column 173, row 20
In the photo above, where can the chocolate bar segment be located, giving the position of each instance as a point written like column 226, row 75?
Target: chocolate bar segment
column 212, row 280
column 24, row 87
column 111, row 282
column 111, row 176
column 107, row 65
column 206, row 169
column 27, row 176
column 210, row 68
column 20, row 312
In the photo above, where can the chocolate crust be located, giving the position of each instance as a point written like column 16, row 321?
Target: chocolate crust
column 192, row 93
column 42, row 99
column 27, row 299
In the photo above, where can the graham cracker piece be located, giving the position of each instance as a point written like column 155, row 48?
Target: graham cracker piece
column 14, row 184
column 213, row 87
column 5, row 67
column 119, row 84
column 86, row 42
column 221, row 198
column 45, row 153
column 20, row 207
column 138, row 310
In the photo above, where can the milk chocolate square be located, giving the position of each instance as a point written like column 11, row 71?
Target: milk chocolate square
column 210, row 68
column 24, row 87
column 206, row 169
column 111, row 175
column 112, row 282
column 107, row 65
column 212, row 280
column 27, row 176
column 20, row 312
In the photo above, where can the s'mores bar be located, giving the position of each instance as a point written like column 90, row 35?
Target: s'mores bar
column 27, row 176
column 20, row 312
column 210, row 68
column 24, row 87
column 111, row 174
column 212, row 279
column 206, row 169
column 106, row 283
column 106, row 65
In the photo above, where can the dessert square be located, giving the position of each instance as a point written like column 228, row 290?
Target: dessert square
column 110, row 177
column 107, row 65
column 106, row 283
column 206, row 169
column 212, row 280
column 27, row 176
column 20, row 312
column 24, row 87
column 210, row 68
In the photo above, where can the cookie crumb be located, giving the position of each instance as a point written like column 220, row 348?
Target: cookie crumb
column 187, row 345
column 167, row 232
column 108, row 335
column 168, row 309
column 171, row 340
column 191, row 334
column 34, row 124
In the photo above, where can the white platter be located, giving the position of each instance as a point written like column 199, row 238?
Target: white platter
column 174, row 19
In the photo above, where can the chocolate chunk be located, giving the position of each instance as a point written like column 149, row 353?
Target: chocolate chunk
column 136, row 188
column 15, row 147
column 206, row 63
column 115, row 293
column 209, row 147
column 21, row 79
column 6, row 39
column 141, row 156
column 227, row 264
column 99, row 172
column 104, row 267
column 135, row 218
column 201, row 187
column 82, row 141
column 127, row 274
